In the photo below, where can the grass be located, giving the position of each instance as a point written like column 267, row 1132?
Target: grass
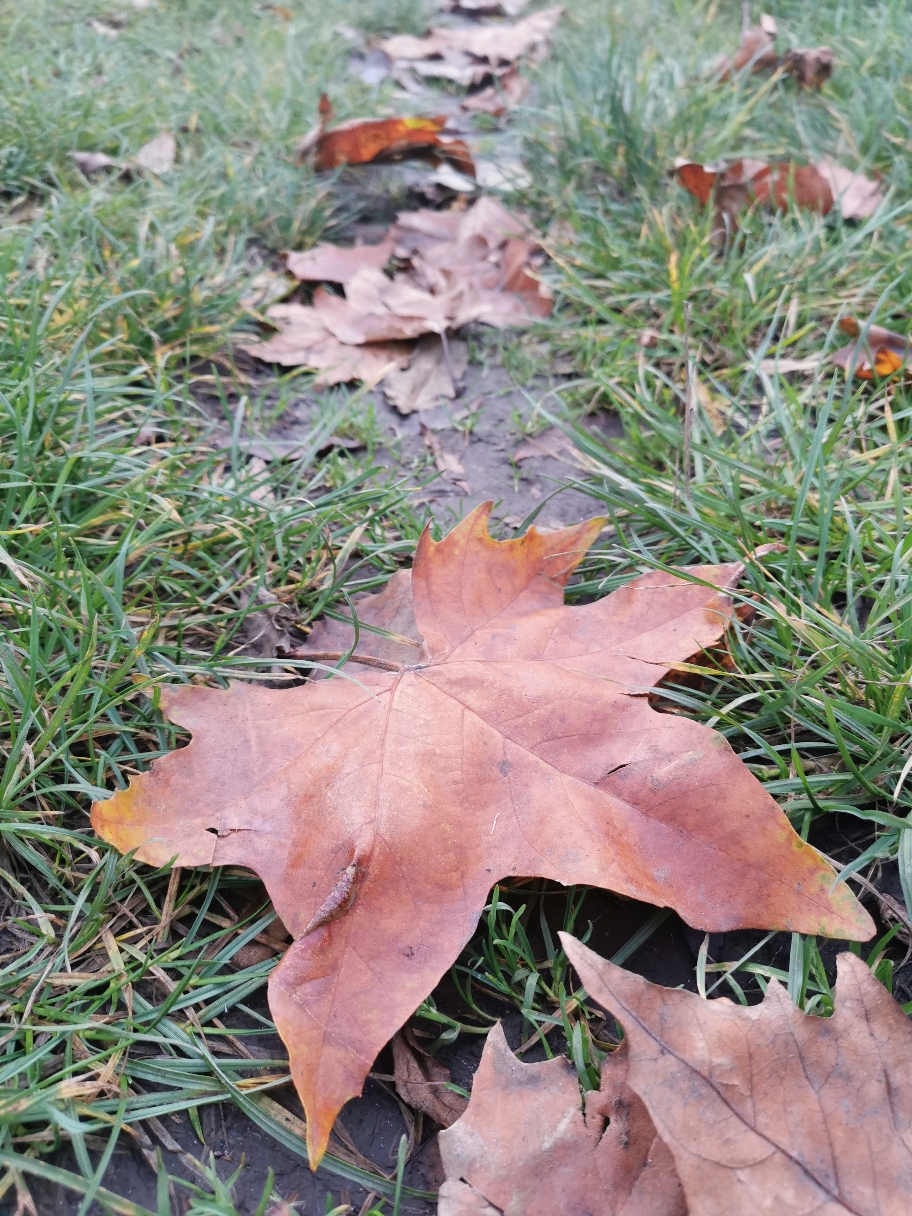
column 124, row 563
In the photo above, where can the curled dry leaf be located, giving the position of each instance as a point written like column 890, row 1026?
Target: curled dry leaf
column 767, row 1109
column 814, row 187
column 889, row 350
column 811, row 66
column 157, row 156
column 361, row 140
column 422, row 1081
column 380, row 811
column 333, row 264
column 525, row 1146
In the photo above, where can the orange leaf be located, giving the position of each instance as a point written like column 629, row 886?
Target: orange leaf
column 768, row 1109
column 380, row 810
column 890, row 350
column 365, row 139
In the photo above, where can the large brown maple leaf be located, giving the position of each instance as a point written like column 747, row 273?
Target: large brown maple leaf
column 380, row 808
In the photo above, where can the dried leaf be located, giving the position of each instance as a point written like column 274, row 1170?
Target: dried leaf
column 525, row 1145
column 334, row 264
column 361, row 140
column 495, row 44
column 390, row 610
column 93, row 162
column 757, row 48
column 890, row 350
column 304, row 341
column 554, row 443
column 811, row 66
column 506, row 93
column 427, row 379
column 157, row 156
column 768, row 1109
column 380, row 810
column 421, row 1081
column 447, row 463
column 858, row 197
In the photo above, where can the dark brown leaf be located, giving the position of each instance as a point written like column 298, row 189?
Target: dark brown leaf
column 421, row 1081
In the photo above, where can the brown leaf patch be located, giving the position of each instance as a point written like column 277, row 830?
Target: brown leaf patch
column 768, row 1109
column 524, row 1145
column 421, row 1081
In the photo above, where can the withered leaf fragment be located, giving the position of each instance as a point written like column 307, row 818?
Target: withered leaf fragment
column 492, row 45
column 517, row 741
column 421, row 1081
column 811, row 66
column 525, row 1146
column 889, row 350
column 757, row 48
column 768, row 1109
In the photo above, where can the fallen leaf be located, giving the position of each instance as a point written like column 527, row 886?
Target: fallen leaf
column 811, row 66
column 447, row 463
column 494, row 44
column 889, row 349
column 427, row 379
column 380, row 810
column 421, row 1081
column 525, row 1146
column 93, row 162
column 334, row 264
column 361, row 140
column 157, row 156
column 507, row 92
column 814, row 187
column 554, row 443
column 858, row 197
column 757, row 48
column 304, row 341
column 768, row 1109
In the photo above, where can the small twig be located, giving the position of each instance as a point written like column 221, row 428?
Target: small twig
column 320, row 656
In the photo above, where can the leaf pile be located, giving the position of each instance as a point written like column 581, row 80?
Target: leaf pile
column 473, row 56
column 380, row 809
column 455, row 267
